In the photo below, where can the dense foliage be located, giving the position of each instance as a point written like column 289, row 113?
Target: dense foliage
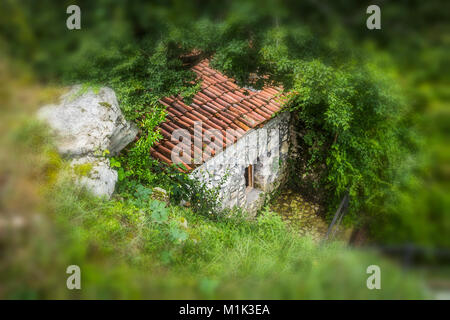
column 358, row 95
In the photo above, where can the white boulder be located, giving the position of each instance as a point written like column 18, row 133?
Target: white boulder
column 95, row 174
column 89, row 125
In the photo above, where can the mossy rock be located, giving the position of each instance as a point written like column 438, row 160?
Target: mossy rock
column 160, row 194
column 83, row 170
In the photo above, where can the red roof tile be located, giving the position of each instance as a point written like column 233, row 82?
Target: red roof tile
column 220, row 104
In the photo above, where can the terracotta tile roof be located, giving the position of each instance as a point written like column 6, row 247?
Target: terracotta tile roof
column 220, row 104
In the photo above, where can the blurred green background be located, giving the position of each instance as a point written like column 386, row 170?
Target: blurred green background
column 377, row 114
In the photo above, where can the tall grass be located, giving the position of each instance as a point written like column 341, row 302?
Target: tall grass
column 47, row 223
column 123, row 253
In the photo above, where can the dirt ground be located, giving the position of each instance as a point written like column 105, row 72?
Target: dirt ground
column 303, row 216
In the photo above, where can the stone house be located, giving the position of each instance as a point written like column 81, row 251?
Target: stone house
column 230, row 137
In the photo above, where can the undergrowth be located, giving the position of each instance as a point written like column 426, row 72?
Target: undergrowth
column 137, row 247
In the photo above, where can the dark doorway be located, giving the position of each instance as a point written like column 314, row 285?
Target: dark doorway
column 249, row 176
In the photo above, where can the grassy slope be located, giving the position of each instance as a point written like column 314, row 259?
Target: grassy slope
column 124, row 252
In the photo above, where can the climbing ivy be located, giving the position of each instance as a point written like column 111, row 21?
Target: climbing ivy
column 348, row 119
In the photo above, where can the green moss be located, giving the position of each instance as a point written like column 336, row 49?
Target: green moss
column 105, row 104
column 54, row 165
column 83, row 170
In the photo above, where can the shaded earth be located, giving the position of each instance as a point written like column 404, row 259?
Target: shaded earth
column 303, row 216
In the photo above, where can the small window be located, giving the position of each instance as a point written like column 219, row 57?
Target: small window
column 249, row 176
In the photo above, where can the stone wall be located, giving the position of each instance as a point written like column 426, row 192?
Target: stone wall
column 266, row 149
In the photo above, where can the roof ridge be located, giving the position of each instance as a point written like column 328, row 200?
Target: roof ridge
column 220, row 104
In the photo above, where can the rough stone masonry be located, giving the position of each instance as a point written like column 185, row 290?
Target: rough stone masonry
column 266, row 149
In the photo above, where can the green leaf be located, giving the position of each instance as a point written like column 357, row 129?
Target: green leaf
column 159, row 211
